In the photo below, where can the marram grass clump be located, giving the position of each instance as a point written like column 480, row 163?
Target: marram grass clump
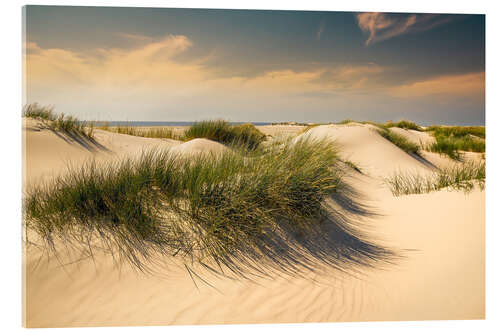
column 452, row 140
column 150, row 132
column 400, row 141
column 228, row 211
column 462, row 177
column 59, row 122
column 458, row 131
column 405, row 124
column 246, row 135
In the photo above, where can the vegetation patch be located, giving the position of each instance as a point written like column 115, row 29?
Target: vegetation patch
column 400, row 141
column 59, row 122
column 246, row 135
column 227, row 211
column 353, row 166
column 458, row 131
column 404, row 124
column 150, row 132
column 308, row 127
column 464, row 177
column 347, row 121
column 450, row 140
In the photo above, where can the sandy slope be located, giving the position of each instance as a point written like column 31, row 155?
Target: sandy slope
column 441, row 276
column 362, row 145
column 48, row 153
column 281, row 130
column 420, row 138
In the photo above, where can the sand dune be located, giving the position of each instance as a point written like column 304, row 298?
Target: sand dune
column 197, row 146
column 362, row 145
column 48, row 153
column 417, row 137
column 440, row 236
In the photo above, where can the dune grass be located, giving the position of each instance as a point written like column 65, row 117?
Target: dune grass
column 246, row 135
column 217, row 211
column 150, row 132
column 405, row 124
column 308, row 127
column 59, row 122
column 450, row 140
column 346, row 121
column 464, row 177
column 353, row 166
column 400, row 141
column 458, row 131
column 452, row 146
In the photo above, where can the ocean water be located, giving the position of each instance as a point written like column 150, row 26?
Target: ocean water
column 170, row 123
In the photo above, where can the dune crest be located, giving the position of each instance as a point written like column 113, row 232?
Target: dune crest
column 362, row 145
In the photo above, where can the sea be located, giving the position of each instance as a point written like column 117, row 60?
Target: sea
column 169, row 123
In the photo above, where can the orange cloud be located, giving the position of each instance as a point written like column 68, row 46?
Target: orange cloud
column 471, row 84
column 148, row 77
column 382, row 26
column 150, row 68
column 147, row 65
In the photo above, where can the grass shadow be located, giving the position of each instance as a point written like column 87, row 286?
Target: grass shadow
column 88, row 143
column 287, row 211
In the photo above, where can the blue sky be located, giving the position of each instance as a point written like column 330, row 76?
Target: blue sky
column 185, row 64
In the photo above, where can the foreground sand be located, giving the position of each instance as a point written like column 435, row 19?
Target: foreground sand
column 440, row 235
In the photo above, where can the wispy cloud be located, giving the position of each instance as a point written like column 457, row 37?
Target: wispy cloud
column 135, row 37
column 382, row 26
column 351, row 77
column 468, row 84
column 150, row 78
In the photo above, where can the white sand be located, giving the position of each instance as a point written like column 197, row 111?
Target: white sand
column 419, row 138
column 441, row 278
column 197, row 146
column 362, row 145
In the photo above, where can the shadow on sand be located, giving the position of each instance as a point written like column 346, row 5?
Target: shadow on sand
column 337, row 241
column 86, row 142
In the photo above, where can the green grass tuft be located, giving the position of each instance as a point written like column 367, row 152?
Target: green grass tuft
column 59, row 122
column 404, row 124
column 151, row 132
column 246, row 135
column 345, row 121
column 224, row 211
column 450, row 140
column 353, row 166
column 464, row 177
column 400, row 141
column 458, row 131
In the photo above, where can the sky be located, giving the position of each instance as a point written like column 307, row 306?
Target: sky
column 163, row 64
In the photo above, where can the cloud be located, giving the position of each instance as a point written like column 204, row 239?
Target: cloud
column 152, row 67
column 460, row 85
column 149, row 81
column 147, row 64
column 351, row 77
column 382, row 26
column 135, row 37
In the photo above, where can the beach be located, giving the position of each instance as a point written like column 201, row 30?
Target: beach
column 438, row 272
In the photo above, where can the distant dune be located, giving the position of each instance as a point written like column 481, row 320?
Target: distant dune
column 439, row 236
